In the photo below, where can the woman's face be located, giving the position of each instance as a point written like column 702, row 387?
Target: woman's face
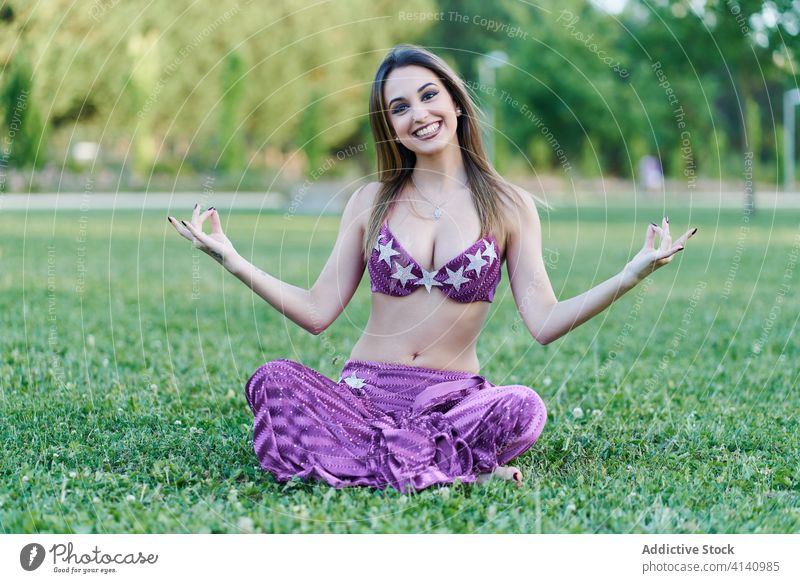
column 416, row 100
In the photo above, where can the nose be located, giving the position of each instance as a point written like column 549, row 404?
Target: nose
column 419, row 114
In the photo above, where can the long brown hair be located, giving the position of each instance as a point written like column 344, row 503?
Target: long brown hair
column 396, row 162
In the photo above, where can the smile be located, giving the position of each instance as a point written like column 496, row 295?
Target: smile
column 428, row 131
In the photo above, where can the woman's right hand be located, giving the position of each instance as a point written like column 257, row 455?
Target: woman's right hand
column 649, row 258
column 215, row 244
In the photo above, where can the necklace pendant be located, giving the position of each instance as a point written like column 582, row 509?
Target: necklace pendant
column 437, row 213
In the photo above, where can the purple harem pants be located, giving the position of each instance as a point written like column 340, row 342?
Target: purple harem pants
column 387, row 424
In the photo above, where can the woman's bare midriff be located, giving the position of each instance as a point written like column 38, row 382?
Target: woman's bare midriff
column 427, row 329
column 423, row 329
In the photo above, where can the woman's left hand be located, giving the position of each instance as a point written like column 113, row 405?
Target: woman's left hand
column 651, row 258
column 214, row 244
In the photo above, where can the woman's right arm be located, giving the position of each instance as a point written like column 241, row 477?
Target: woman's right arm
column 312, row 309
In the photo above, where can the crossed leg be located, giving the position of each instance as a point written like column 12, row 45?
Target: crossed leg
column 499, row 423
column 306, row 425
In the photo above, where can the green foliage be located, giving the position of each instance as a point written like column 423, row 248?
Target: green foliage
column 312, row 126
column 540, row 153
column 232, row 156
column 637, row 149
column 124, row 355
column 150, row 72
column 171, row 58
column 620, row 80
column 142, row 48
column 590, row 163
column 369, row 162
column 755, row 134
column 781, row 159
column 23, row 133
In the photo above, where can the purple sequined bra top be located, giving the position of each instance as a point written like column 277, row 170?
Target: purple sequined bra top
column 470, row 276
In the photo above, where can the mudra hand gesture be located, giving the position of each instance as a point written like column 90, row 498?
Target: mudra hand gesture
column 215, row 244
column 650, row 258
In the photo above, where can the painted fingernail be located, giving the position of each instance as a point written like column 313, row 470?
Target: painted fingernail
column 195, row 205
column 183, row 222
column 694, row 230
column 667, row 220
column 654, row 224
column 169, row 219
column 212, row 208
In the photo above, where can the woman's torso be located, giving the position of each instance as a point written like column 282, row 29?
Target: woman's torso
column 427, row 329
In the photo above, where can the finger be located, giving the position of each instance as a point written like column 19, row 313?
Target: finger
column 666, row 239
column 675, row 249
column 183, row 231
column 216, row 227
column 203, row 217
column 198, row 233
column 650, row 238
column 196, row 215
column 652, row 231
column 685, row 237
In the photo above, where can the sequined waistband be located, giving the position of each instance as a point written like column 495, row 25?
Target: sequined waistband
column 396, row 366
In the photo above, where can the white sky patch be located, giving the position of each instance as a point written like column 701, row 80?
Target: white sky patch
column 698, row 7
column 610, row 6
column 770, row 15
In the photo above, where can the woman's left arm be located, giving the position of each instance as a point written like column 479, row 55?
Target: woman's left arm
column 548, row 319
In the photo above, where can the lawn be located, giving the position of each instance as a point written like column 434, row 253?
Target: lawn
column 124, row 352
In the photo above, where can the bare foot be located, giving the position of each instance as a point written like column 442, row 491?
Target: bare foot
column 504, row 472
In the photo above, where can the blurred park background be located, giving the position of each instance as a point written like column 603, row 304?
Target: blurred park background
column 582, row 98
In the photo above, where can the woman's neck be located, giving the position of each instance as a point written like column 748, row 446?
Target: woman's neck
column 441, row 171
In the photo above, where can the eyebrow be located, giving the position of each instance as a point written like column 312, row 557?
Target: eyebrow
column 418, row 90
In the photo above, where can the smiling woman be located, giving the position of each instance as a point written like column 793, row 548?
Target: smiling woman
column 410, row 408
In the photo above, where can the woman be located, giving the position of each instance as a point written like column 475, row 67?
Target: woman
column 410, row 408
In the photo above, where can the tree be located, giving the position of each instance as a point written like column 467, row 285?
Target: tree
column 230, row 133
column 88, row 70
column 23, row 131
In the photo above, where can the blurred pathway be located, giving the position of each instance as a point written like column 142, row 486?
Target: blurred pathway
column 331, row 201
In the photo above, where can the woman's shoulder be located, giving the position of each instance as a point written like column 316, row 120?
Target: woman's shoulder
column 519, row 213
column 364, row 195
column 519, row 195
column 361, row 201
column 517, row 202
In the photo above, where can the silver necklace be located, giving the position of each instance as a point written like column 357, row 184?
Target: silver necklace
column 437, row 211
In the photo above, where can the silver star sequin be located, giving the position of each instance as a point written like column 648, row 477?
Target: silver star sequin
column 427, row 279
column 387, row 252
column 490, row 251
column 354, row 381
column 456, row 278
column 475, row 262
column 403, row 273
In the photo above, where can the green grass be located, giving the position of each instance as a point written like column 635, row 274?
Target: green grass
column 123, row 359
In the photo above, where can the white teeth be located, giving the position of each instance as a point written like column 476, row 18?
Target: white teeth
column 427, row 130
